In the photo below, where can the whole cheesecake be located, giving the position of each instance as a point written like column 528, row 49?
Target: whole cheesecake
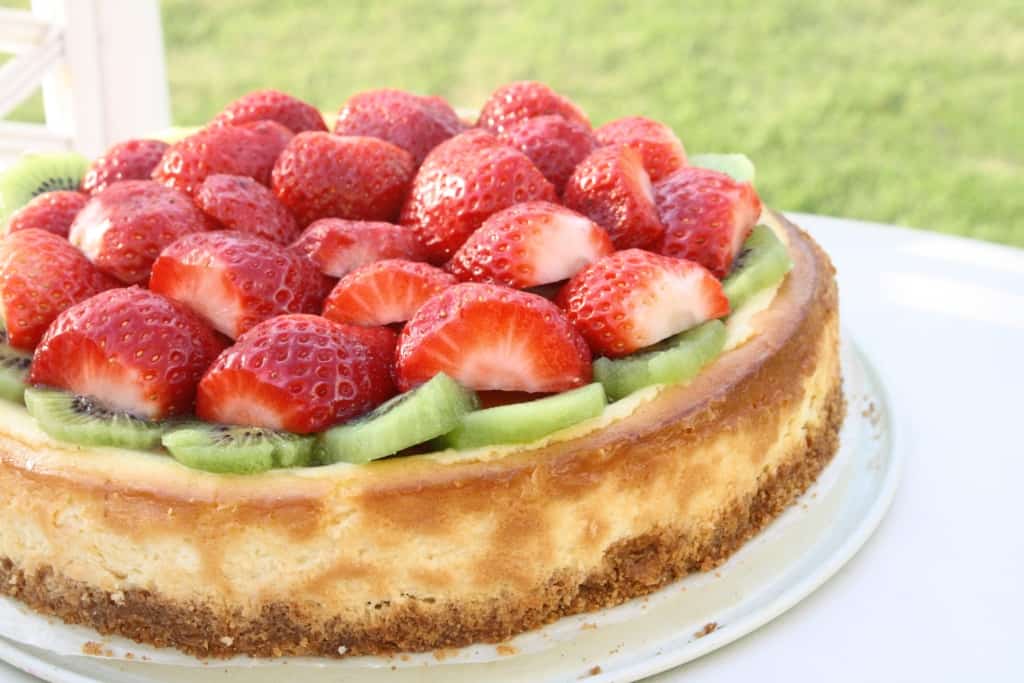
column 440, row 549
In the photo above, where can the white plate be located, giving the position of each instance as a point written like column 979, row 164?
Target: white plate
column 796, row 554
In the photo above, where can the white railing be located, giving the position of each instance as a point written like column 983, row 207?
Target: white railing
column 101, row 67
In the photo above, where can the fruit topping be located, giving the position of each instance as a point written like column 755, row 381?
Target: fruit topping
column 521, row 100
column 490, row 337
column 36, row 174
column 707, row 216
column 320, row 175
column 611, row 187
column 272, row 105
column 88, row 422
column 235, row 280
column 385, row 292
column 128, row 160
column 415, row 123
column 530, row 244
column 297, row 373
column 554, row 144
column 130, row 349
column 526, row 422
column 738, row 166
column 125, row 227
column 633, row 299
column 762, row 263
column 13, row 370
column 240, row 203
column 462, row 182
column 339, row 246
column 40, row 276
column 412, row 418
column 675, row 360
column 52, row 211
column 235, row 449
column 660, row 149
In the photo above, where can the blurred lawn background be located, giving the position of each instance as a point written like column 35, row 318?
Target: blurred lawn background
column 899, row 112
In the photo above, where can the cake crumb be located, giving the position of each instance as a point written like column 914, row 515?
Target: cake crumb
column 117, row 597
column 708, row 629
column 92, row 648
column 443, row 654
column 129, row 655
column 588, row 626
column 342, row 649
column 227, row 641
column 594, row 670
column 506, row 650
column 405, row 658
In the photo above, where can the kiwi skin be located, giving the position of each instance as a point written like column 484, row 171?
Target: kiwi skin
column 763, row 262
column 36, row 174
column 14, row 366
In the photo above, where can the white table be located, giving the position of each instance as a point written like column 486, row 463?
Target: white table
column 938, row 593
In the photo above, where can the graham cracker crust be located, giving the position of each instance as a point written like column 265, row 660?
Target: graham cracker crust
column 633, row 567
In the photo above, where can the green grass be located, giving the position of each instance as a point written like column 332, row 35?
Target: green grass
column 907, row 113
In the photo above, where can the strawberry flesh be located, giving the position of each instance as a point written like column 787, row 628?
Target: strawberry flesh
column 338, row 246
column 662, row 152
column 385, row 292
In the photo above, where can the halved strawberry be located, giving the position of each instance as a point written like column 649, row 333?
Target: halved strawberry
column 661, row 150
column 235, row 280
column 554, row 144
column 240, row 203
column 273, row 105
column 462, row 182
column 125, row 227
column 520, row 100
column 320, row 175
column 707, row 217
column 50, row 211
column 40, row 276
column 132, row 349
column 611, row 187
column 338, row 246
column 300, row 373
column 415, row 123
column 633, row 299
column 530, row 244
column 385, row 292
column 491, row 337
column 128, row 160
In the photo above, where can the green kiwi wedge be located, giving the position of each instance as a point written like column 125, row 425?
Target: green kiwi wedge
column 526, row 422
column 412, row 418
column 739, row 166
column 13, row 370
column 762, row 263
column 236, row 449
column 675, row 360
column 83, row 420
column 35, row 174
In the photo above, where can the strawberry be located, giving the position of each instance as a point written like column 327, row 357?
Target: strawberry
column 520, row 100
column 338, row 246
column 462, row 182
column 660, row 149
column 300, row 373
column 385, row 292
column 634, row 298
column 273, row 105
column 240, row 203
column 40, row 276
column 128, row 160
column 707, row 217
column 235, row 280
column 50, row 211
column 130, row 348
column 611, row 187
column 125, row 227
column 555, row 145
column 415, row 123
column 490, row 337
column 530, row 244
column 320, row 175
column 249, row 150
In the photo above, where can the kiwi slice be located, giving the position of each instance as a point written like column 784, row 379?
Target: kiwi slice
column 83, row 420
column 35, row 174
column 13, row 370
column 426, row 412
column 677, row 359
column 529, row 421
column 739, row 166
column 762, row 263
column 236, row 449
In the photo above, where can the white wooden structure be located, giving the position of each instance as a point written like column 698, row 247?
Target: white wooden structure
column 101, row 67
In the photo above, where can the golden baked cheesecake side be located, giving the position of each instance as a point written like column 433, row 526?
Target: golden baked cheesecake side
column 438, row 550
